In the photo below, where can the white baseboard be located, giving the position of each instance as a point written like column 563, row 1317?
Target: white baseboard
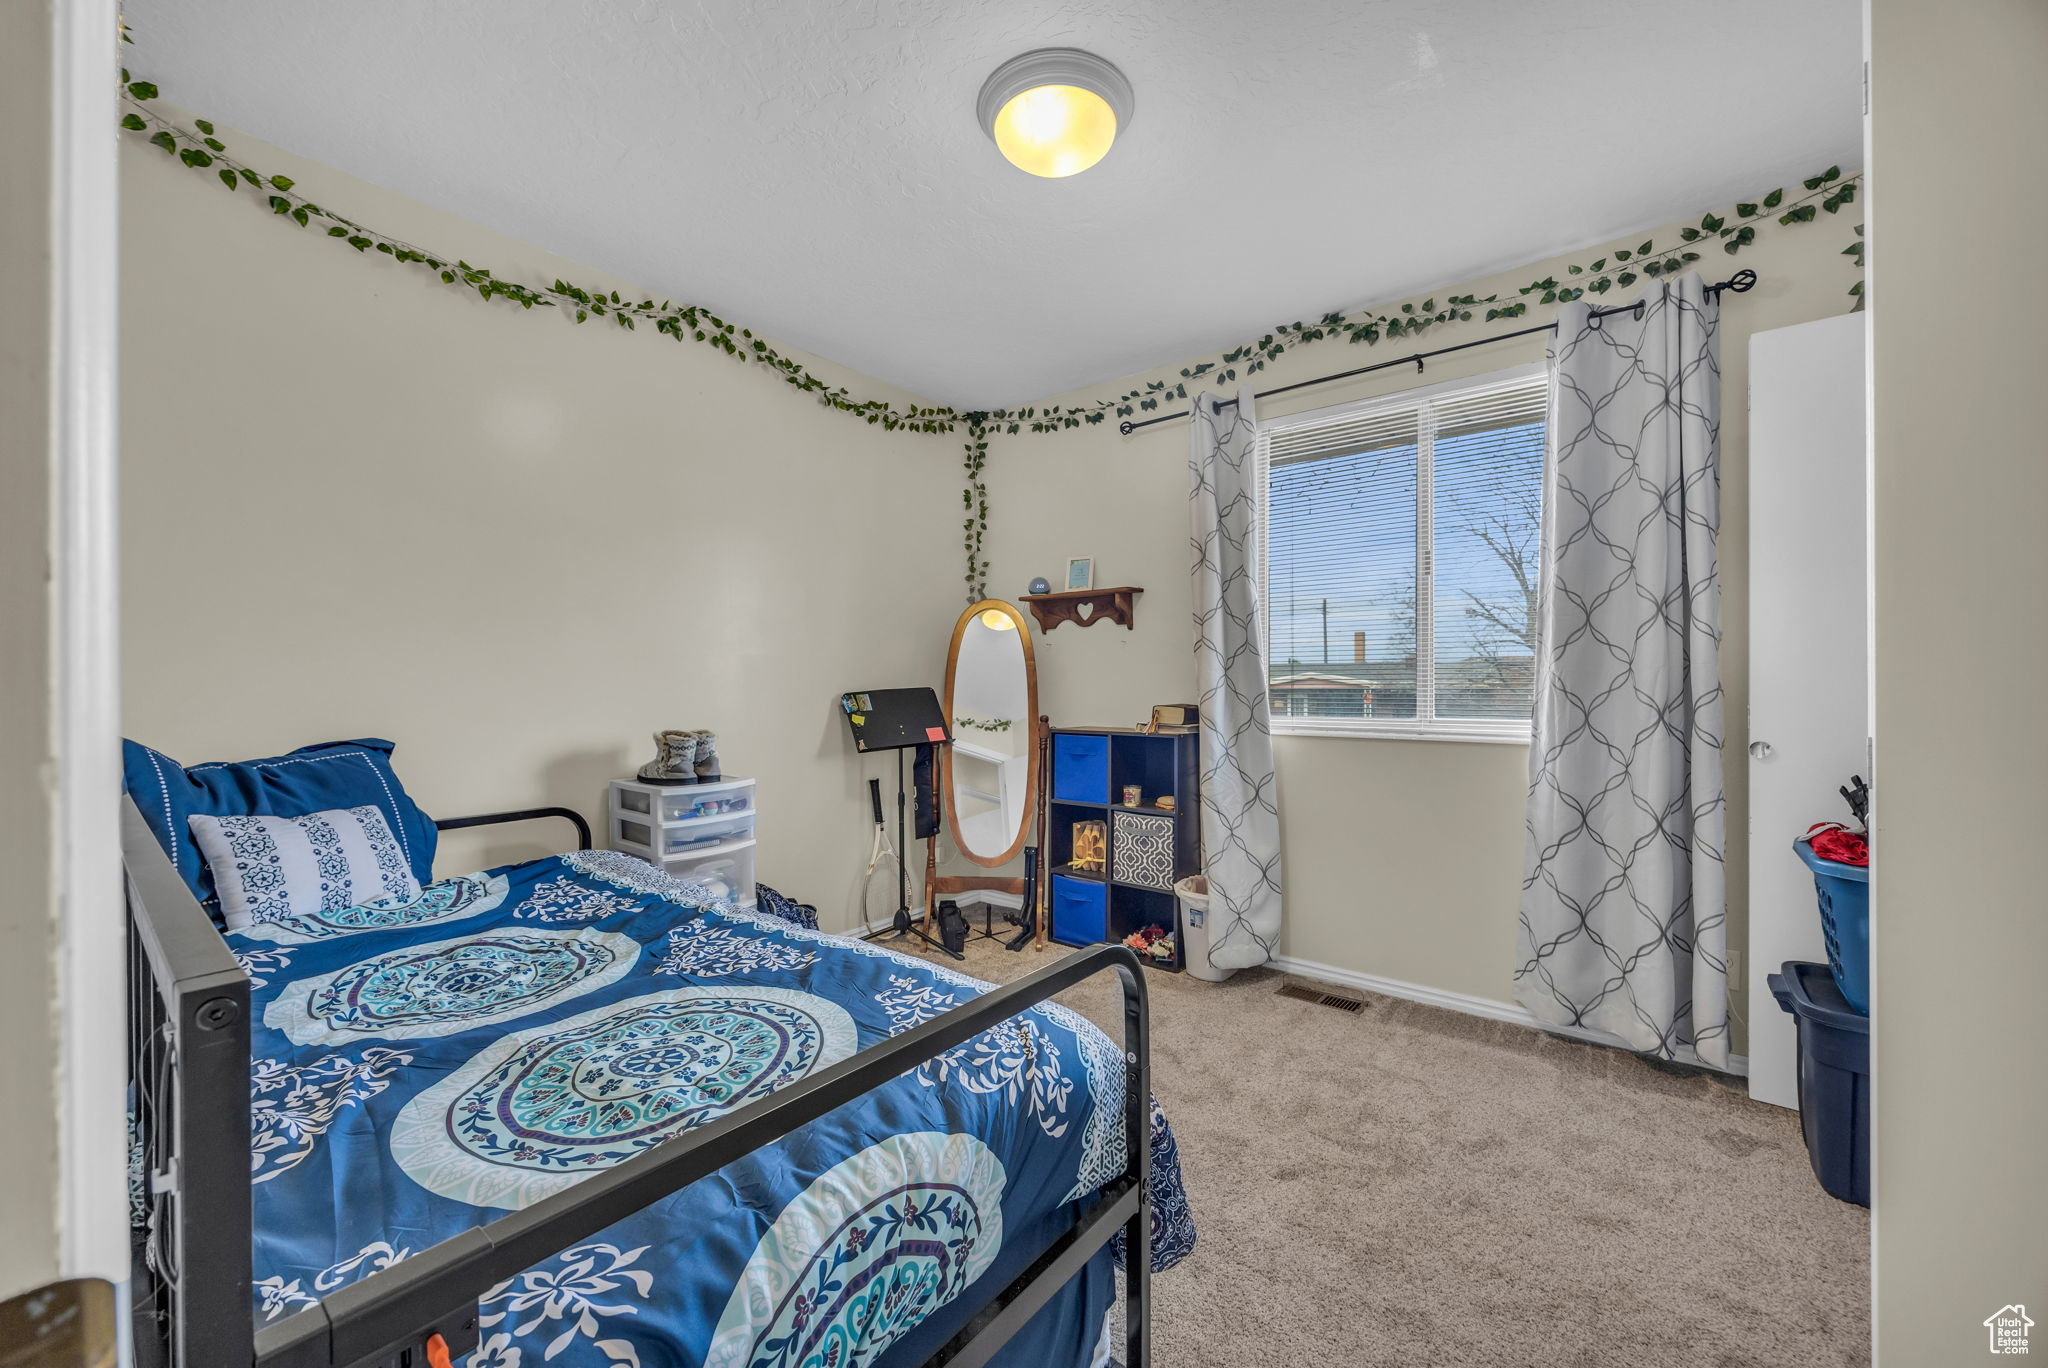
column 1509, row 1012
column 989, row 895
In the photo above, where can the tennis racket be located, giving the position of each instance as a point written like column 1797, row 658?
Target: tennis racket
column 881, row 888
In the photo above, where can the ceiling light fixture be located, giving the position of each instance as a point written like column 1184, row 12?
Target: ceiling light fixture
column 1054, row 112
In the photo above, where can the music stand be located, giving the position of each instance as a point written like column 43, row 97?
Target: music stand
column 898, row 720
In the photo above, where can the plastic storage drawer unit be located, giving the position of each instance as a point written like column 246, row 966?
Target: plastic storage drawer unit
column 1834, row 1078
column 700, row 832
column 1080, row 911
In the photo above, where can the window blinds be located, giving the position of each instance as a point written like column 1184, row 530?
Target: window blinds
column 1400, row 551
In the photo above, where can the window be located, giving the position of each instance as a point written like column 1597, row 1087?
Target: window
column 1400, row 540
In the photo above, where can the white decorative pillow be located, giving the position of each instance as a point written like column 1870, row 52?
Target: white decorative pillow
column 272, row 868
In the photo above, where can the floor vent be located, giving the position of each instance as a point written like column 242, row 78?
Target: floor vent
column 1337, row 1000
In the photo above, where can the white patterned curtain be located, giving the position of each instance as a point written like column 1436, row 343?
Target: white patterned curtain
column 1624, row 895
column 1240, row 811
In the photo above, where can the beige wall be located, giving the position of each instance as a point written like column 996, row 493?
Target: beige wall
column 359, row 503
column 514, row 551
column 28, row 943
column 1958, row 99
column 1403, row 859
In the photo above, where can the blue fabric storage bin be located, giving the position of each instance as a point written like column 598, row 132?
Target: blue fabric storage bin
column 1080, row 768
column 1844, row 892
column 1080, row 911
column 1834, row 1078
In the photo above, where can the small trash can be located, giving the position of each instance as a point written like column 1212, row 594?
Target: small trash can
column 1844, row 893
column 1834, row 1078
column 1193, row 893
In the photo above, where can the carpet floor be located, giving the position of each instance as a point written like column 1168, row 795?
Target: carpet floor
column 1416, row 1187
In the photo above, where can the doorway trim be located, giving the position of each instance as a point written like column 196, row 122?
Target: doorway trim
column 85, row 685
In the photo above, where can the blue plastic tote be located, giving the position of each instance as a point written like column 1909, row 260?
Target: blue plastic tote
column 1834, row 1079
column 1845, row 921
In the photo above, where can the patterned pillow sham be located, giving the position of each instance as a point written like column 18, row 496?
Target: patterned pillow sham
column 333, row 774
column 268, row 869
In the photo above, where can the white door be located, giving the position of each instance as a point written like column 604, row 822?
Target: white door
column 1809, row 718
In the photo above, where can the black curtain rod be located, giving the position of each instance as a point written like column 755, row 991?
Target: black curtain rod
column 1741, row 282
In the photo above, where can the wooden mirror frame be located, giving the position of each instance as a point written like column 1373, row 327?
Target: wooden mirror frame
column 1032, row 778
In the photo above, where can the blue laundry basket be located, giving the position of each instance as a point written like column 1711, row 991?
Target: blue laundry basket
column 1844, row 892
column 1834, row 1078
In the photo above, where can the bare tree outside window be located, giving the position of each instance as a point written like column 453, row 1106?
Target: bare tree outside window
column 1502, row 624
column 1401, row 527
column 1488, row 531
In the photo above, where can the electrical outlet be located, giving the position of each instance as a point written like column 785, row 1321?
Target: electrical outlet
column 1735, row 966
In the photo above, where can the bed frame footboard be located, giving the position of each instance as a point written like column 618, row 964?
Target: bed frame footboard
column 188, row 1053
column 190, row 1058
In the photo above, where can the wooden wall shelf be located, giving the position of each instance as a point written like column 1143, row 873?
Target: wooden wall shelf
column 1085, row 607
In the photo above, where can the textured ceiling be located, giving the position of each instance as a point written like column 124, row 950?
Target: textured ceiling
column 814, row 170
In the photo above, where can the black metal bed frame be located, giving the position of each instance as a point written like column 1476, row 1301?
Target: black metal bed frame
column 189, row 1059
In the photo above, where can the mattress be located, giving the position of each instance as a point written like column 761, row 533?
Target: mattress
column 425, row 1066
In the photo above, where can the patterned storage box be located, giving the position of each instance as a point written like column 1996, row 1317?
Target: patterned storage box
column 1141, row 850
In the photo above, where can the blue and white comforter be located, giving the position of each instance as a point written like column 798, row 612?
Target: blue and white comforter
column 423, row 1068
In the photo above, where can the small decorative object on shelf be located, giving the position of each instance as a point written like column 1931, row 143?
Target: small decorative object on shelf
column 1154, row 942
column 1134, row 796
column 1091, row 847
column 682, row 757
column 1080, row 574
column 703, row 833
column 1085, row 606
column 1172, row 717
column 1039, row 585
column 1164, row 802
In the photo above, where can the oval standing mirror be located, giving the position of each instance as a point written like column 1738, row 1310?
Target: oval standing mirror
column 990, row 772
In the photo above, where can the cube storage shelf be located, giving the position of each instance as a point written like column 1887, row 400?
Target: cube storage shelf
column 703, row 832
column 1145, row 847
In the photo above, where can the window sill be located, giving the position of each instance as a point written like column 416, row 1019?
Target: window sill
column 1499, row 735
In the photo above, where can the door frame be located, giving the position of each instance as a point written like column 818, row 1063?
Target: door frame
column 85, row 676
column 1788, row 534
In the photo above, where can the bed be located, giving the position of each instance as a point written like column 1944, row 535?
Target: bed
column 573, row 1111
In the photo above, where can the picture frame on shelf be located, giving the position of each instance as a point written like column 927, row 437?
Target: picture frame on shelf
column 1080, row 574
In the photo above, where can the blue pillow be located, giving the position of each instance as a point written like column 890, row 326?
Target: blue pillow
column 338, row 774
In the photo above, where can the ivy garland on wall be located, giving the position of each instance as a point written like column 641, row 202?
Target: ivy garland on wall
column 975, row 497
column 200, row 148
